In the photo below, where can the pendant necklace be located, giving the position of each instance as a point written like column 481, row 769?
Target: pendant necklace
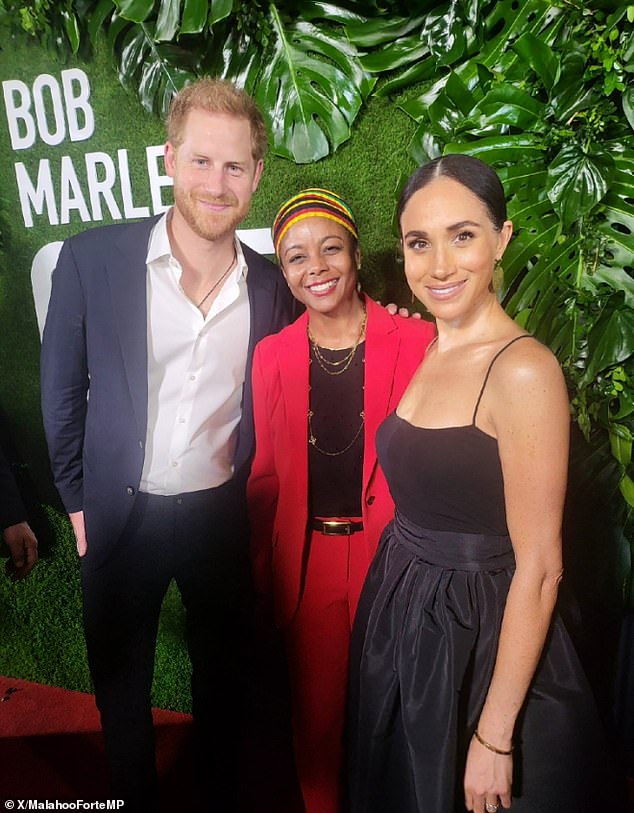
column 219, row 280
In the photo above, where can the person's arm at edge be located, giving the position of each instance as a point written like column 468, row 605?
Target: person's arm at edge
column 17, row 533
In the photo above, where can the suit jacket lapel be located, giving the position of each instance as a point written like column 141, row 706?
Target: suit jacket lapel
column 127, row 271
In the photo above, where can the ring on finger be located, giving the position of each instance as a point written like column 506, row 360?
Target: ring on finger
column 491, row 807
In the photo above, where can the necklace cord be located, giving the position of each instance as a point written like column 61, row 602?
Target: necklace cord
column 219, row 280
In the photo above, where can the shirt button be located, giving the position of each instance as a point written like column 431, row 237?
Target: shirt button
column 130, row 491
column 174, row 464
column 181, row 420
column 192, row 377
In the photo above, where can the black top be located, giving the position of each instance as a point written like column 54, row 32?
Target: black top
column 336, row 401
column 459, row 477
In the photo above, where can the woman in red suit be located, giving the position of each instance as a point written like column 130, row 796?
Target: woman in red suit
column 318, row 501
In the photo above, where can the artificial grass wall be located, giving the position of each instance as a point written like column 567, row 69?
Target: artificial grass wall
column 40, row 618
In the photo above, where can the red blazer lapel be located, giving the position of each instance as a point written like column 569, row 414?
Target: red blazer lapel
column 293, row 367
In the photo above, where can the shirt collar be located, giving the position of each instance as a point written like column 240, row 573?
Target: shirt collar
column 159, row 248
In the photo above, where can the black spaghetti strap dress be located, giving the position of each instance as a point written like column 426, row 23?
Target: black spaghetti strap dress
column 426, row 636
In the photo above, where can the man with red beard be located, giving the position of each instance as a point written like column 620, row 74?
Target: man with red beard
column 146, row 397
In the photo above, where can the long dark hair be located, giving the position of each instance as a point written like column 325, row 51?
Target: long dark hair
column 476, row 176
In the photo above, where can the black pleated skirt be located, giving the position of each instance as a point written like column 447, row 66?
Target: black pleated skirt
column 423, row 652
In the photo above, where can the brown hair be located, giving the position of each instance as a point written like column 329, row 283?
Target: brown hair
column 216, row 96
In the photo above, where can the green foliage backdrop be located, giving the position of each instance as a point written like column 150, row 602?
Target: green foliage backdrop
column 358, row 93
column 541, row 89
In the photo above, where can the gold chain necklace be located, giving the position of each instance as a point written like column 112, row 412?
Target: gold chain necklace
column 218, row 281
column 346, row 361
column 313, row 440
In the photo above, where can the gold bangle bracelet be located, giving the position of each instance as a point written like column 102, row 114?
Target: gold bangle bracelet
column 492, row 747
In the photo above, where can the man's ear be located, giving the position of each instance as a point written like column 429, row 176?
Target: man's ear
column 169, row 159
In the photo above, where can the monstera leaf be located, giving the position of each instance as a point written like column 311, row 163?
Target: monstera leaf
column 300, row 67
column 311, row 87
column 578, row 180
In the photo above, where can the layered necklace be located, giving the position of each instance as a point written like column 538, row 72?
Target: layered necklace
column 335, row 368
column 329, row 366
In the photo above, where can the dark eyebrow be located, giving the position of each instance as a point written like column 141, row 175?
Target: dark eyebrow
column 452, row 228
column 300, row 246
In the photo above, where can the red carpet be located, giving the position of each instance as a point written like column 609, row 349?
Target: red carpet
column 51, row 747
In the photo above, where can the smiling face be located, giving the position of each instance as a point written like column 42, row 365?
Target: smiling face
column 319, row 259
column 214, row 172
column 450, row 246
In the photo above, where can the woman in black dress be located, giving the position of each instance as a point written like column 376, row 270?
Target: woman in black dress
column 465, row 688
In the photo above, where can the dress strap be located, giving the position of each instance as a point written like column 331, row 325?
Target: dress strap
column 486, row 377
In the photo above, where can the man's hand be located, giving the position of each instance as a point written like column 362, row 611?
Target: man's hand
column 77, row 520
column 22, row 545
column 393, row 310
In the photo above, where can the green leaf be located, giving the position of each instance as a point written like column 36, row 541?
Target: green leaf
column 134, row 47
column 500, row 149
column 401, row 52
column 232, row 60
column 418, row 108
column 536, row 282
column 72, row 30
column 618, row 228
column 626, row 487
column 103, row 10
column 617, row 278
column 459, row 93
column 572, row 93
column 628, row 105
column 307, row 10
column 621, row 443
column 311, row 101
column 610, row 342
column 577, row 181
column 523, row 176
column 371, row 33
column 412, row 75
column 445, row 34
column 220, row 10
column 168, row 20
column 424, row 146
column 508, row 105
column 194, row 16
column 539, row 56
column 135, row 10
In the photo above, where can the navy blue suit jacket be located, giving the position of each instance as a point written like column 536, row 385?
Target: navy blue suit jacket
column 95, row 345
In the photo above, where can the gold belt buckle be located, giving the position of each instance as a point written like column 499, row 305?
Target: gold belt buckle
column 335, row 527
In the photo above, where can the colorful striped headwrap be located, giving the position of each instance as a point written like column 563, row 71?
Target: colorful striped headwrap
column 312, row 203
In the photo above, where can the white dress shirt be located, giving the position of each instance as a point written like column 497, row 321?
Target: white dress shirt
column 196, row 369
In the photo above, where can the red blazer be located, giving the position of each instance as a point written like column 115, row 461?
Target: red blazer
column 277, row 490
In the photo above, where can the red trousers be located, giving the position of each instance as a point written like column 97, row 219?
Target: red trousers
column 317, row 644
